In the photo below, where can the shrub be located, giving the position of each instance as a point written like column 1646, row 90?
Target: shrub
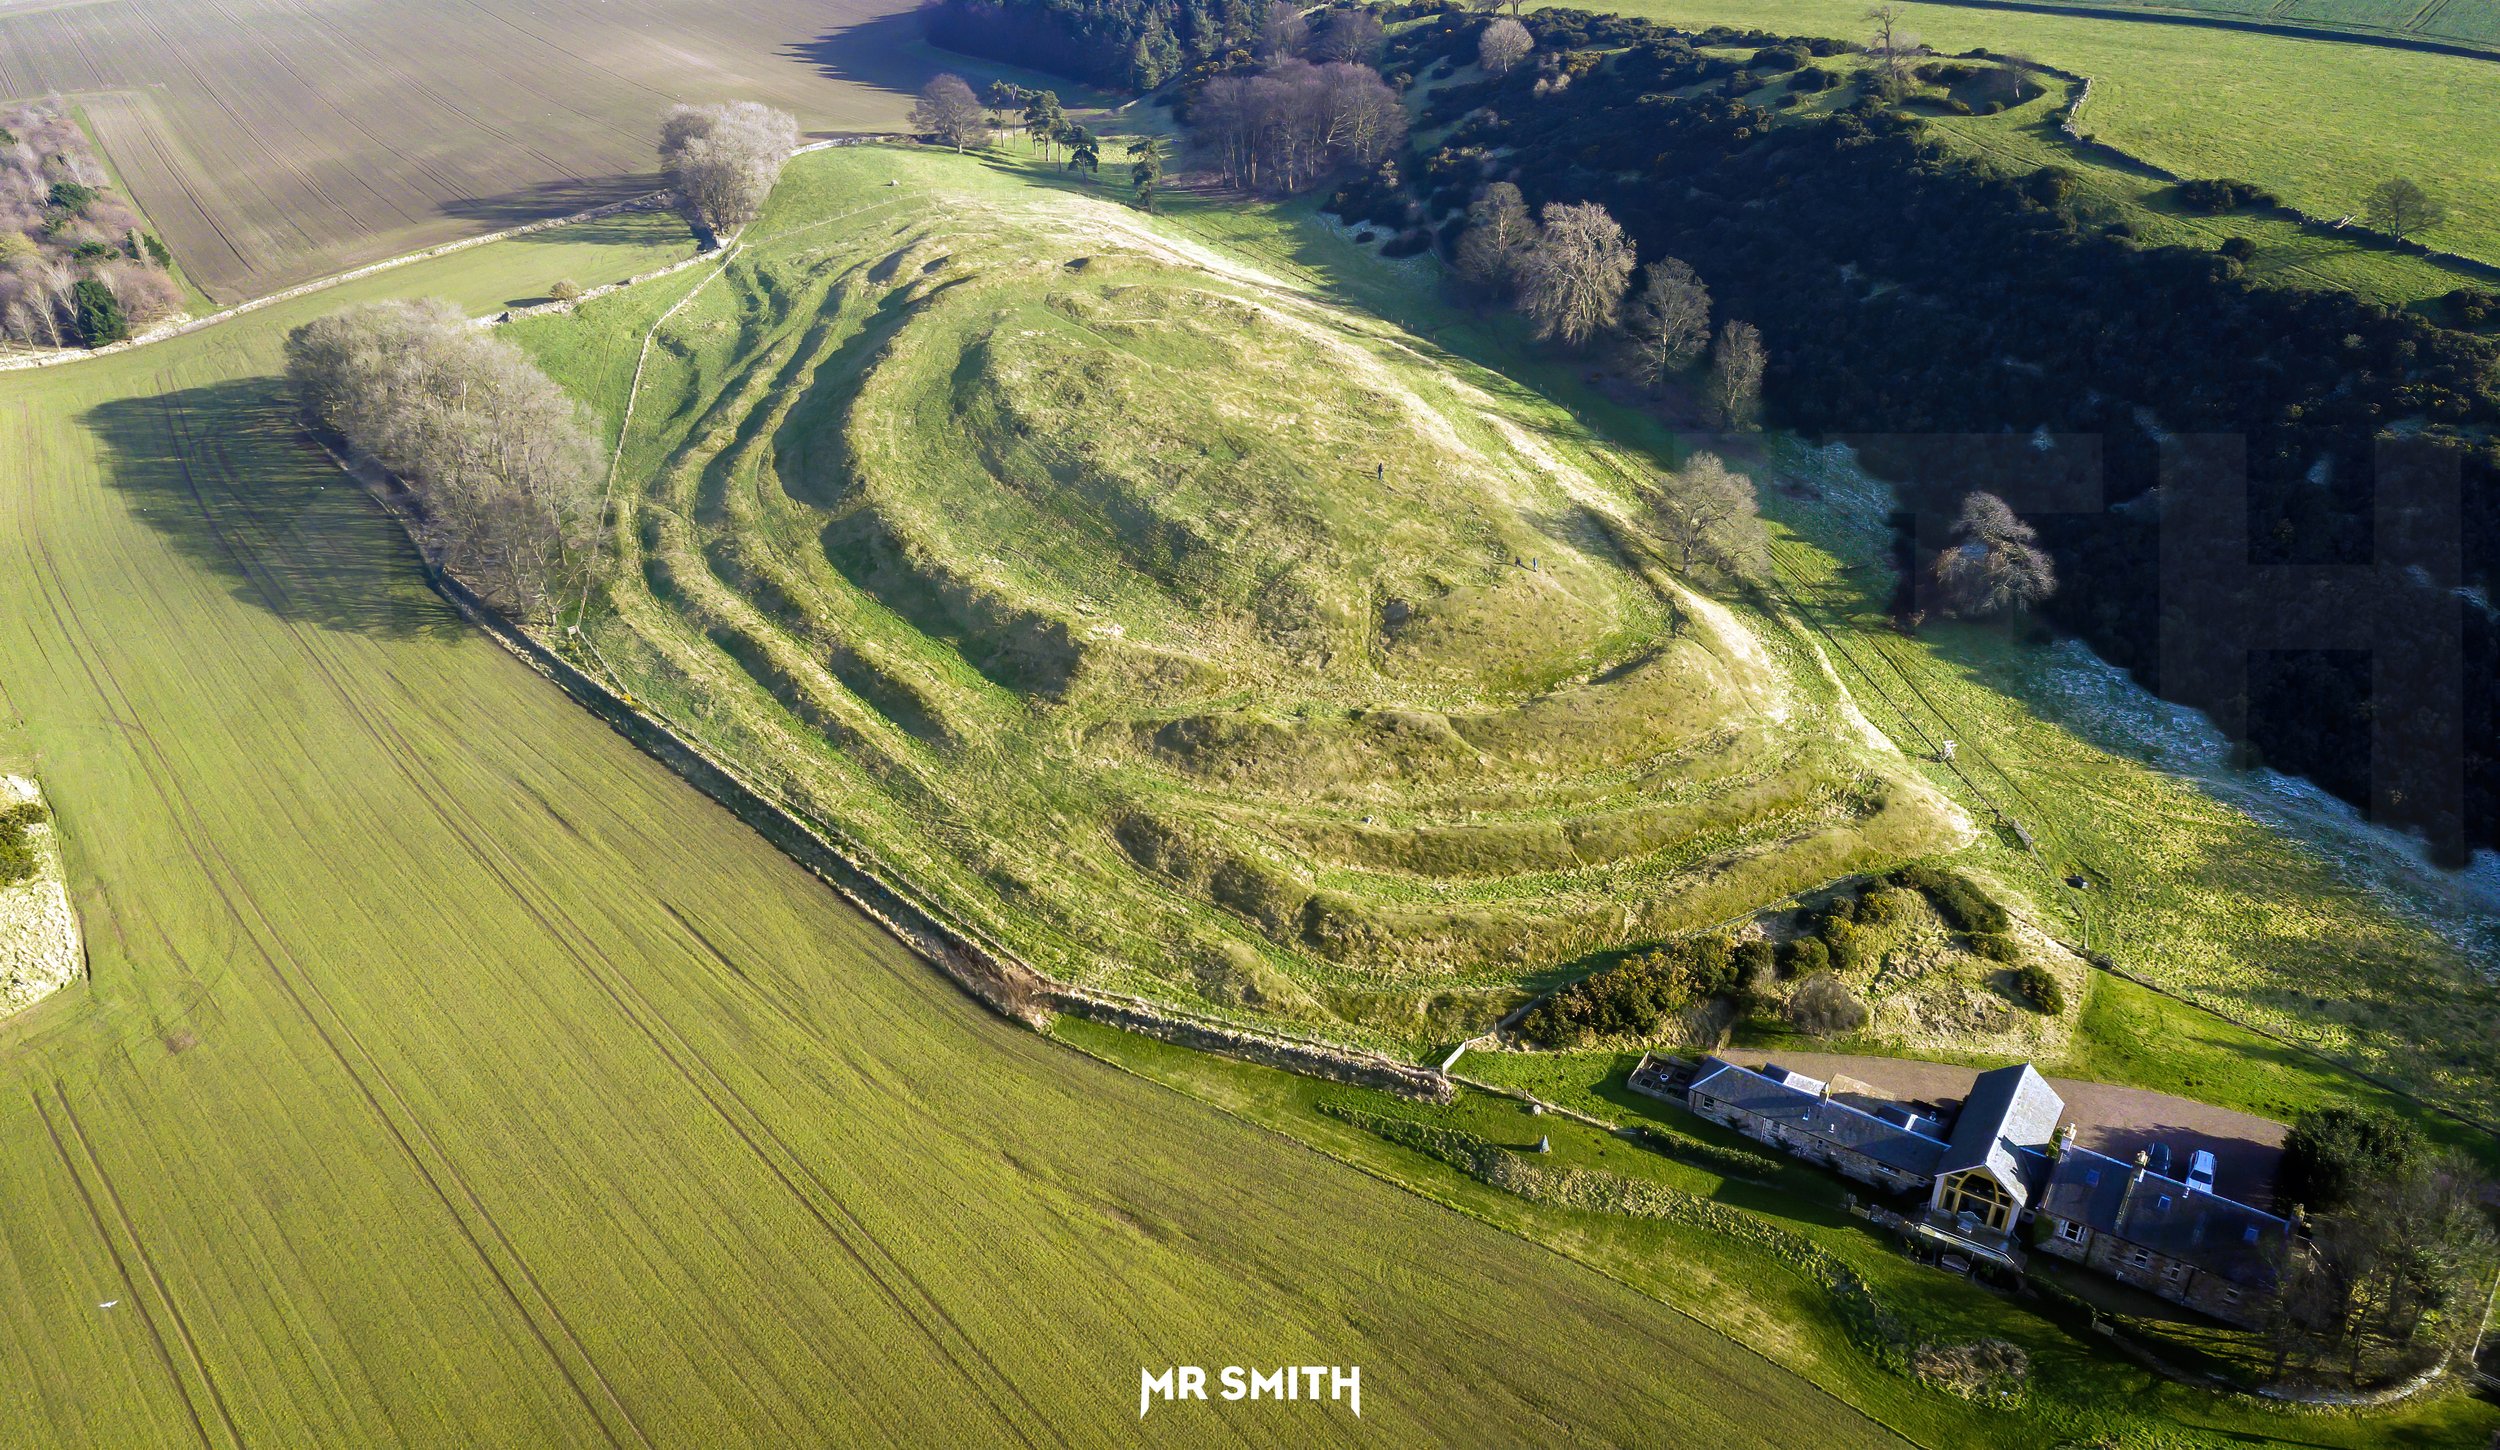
column 1964, row 905
column 98, row 313
column 2051, row 186
column 1636, row 995
column 17, row 852
column 1997, row 946
column 2039, row 988
column 2473, row 306
column 1854, row 948
column 71, row 196
column 565, row 290
column 1806, row 956
column 2238, row 249
column 17, row 859
column 1884, row 906
column 2220, row 194
column 1812, row 78
column 2337, row 1156
column 1824, row 1005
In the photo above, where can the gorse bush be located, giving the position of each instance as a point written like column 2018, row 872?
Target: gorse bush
column 2040, row 989
column 18, row 859
column 1634, row 997
column 2220, row 194
column 1955, row 896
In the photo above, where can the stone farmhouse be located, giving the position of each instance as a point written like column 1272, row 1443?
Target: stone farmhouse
column 2174, row 1237
column 2002, row 1164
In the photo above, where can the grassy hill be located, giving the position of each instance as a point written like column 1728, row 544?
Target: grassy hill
column 449, row 1073
column 1185, row 632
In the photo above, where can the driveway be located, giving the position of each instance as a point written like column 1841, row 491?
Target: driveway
column 2115, row 1120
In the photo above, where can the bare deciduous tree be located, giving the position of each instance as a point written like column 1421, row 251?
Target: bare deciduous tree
column 1351, row 36
column 1504, row 44
column 1892, row 47
column 2400, row 208
column 1823, row 1005
column 1499, row 230
column 722, row 160
column 1736, row 365
column 1994, row 563
column 1709, row 515
column 503, row 465
column 1572, row 279
column 1284, row 33
column 1669, row 320
column 948, row 110
column 71, row 249
column 1286, row 129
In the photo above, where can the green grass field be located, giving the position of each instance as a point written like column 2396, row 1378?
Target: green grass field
column 449, row 1073
column 1185, row 633
column 2457, row 22
column 2318, row 122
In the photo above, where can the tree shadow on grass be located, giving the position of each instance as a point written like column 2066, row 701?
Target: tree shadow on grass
column 888, row 53
column 893, row 53
column 225, row 474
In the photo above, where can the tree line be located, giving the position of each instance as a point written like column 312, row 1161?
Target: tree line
column 1974, row 332
column 1121, row 45
column 76, row 267
column 502, row 465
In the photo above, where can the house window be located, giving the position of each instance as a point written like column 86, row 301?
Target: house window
column 2174, row 1274
column 2230, row 1296
column 2069, row 1230
column 2140, row 1258
column 1979, row 1195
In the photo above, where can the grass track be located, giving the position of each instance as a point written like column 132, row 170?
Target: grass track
column 449, row 1072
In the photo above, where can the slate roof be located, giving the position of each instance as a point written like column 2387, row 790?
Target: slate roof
column 2009, row 1109
column 2216, row 1234
column 1817, row 1117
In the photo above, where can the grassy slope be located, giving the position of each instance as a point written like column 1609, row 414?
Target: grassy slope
column 2245, row 894
column 2078, row 1392
column 534, row 1101
column 2026, row 137
column 2318, row 122
column 1170, row 464
column 2450, row 21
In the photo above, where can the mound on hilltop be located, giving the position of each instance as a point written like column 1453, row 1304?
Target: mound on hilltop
column 1187, row 634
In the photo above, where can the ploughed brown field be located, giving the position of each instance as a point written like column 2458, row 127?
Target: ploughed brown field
column 273, row 141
